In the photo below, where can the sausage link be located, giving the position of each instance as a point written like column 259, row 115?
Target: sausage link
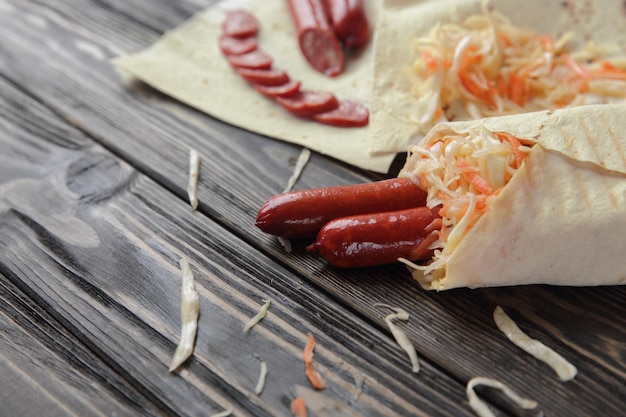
column 376, row 239
column 301, row 214
column 318, row 42
column 349, row 21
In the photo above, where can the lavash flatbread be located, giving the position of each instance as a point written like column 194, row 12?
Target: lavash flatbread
column 561, row 220
column 401, row 21
column 187, row 64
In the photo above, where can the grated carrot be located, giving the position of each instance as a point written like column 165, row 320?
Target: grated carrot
column 307, row 355
column 575, row 66
column 489, row 67
column 609, row 71
column 515, row 144
column 313, row 376
column 298, row 407
column 469, row 172
column 430, row 60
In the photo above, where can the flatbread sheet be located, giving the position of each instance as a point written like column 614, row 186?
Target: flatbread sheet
column 187, row 64
column 561, row 220
column 401, row 21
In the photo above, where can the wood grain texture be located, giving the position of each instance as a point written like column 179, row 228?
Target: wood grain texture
column 50, row 372
column 62, row 62
column 108, row 272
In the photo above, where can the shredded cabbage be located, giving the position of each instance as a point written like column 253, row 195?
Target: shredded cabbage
column 564, row 369
column 463, row 173
column 194, row 170
column 480, row 407
column 258, row 317
column 224, row 413
column 401, row 338
column 486, row 66
column 262, row 377
column 189, row 308
column 303, row 159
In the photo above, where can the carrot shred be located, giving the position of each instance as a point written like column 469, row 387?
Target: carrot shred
column 548, row 43
column 480, row 184
column 430, row 60
column 474, row 89
column 298, row 407
column 505, row 40
column 609, row 71
column 515, row 144
column 313, row 376
column 307, row 355
column 517, row 89
column 575, row 66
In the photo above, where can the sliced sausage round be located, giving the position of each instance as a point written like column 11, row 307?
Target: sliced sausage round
column 236, row 46
column 280, row 90
column 267, row 77
column 252, row 60
column 307, row 103
column 240, row 24
column 348, row 114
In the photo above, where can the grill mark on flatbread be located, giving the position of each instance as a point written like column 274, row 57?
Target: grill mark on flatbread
column 584, row 127
column 584, row 194
column 614, row 199
column 617, row 144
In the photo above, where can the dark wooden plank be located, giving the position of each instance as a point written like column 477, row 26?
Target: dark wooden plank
column 455, row 329
column 101, row 257
column 45, row 371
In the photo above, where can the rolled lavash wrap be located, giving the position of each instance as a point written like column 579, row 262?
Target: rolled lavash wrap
column 559, row 220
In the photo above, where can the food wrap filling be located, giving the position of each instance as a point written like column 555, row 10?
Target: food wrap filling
column 557, row 219
column 452, row 60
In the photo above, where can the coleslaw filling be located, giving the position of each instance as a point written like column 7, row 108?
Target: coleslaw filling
column 462, row 173
column 487, row 66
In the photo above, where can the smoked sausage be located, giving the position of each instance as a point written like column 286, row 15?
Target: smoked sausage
column 301, row 214
column 349, row 22
column 317, row 40
column 376, row 238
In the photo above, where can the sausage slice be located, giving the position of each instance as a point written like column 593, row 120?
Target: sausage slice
column 307, row 103
column 348, row 114
column 240, row 24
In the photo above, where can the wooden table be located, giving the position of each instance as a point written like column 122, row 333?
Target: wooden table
column 94, row 219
